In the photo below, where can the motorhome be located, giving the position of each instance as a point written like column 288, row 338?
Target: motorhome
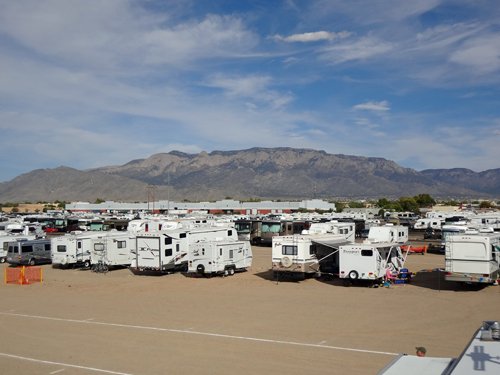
column 473, row 258
column 305, row 254
column 221, row 257
column 165, row 251
column 388, row 233
column 29, row 252
column 347, row 229
column 434, row 223
column 113, row 249
column 270, row 228
column 371, row 262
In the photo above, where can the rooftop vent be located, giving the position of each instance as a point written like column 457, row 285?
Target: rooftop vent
column 490, row 331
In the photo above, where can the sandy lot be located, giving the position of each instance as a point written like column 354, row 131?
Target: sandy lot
column 78, row 322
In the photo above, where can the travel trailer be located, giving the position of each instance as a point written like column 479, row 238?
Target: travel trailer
column 473, row 258
column 113, row 249
column 29, row 252
column 165, row 251
column 388, row 233
column 221, row 257
column 372, row 262
column 305, row 254
column 434, row 223
column 73, row 249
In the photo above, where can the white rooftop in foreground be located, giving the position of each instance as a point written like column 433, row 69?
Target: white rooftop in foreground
column 481, row 356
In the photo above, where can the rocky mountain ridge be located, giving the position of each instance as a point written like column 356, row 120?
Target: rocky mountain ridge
column 266, row 173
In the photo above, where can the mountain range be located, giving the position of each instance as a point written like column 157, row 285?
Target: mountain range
column 265, row 173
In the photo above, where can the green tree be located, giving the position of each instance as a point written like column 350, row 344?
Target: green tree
column 339, row 207
column 355, row 205
column 409, row 204
column 424, row 200
column 485, row 204
column 383, row 203
column 99, row 200
column 15, row 209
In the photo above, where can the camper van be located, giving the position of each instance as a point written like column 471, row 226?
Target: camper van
column 165, row 251
column 221, row 257
column 371, row 262
column 473, row 258
column 300, row 254
column 388, row 233
column 29, row 252
column 4, row 243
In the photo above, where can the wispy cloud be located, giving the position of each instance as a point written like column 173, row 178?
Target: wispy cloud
column 373, row 106
column 313, row 37
column 361, row 49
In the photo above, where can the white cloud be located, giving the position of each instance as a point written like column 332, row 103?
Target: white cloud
column 373, row 106
column 313, row 37
column 481, row 54
column 360, row 49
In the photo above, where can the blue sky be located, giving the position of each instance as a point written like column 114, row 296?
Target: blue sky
column 87, row 83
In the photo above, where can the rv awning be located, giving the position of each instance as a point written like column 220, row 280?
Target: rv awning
column 333, row 242
column 412, row 365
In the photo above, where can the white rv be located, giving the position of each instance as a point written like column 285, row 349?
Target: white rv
column 473, row 258
column 73, row 248
column 346, row 229
column 221, row 257
column 300, row 254
column 113, row 249
column 370, row 261
column 166, row 251
column 434, row 223
column 388, row 233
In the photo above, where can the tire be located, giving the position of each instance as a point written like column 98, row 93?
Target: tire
column 226, row 272
column 86, row 264
column 286, row 262
column 231, row 271
column 353, row 275
column 200, row 268
column 2, row 260
column 184, row 267
column 32, row 262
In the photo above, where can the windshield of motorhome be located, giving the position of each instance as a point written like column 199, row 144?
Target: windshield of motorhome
column 271, row 227
column 242, row 227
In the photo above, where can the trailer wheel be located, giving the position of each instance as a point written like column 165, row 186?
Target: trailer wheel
column 32, row 262
column 184, row 267
column 231, row 271
column 226, row 272
column 2, row 260
column 86, row 264
column 353, row 275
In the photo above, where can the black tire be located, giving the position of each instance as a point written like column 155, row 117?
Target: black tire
column 353, row 275
column 32, row 262
column 184, row 267
column 2, row 260
column 86, row 264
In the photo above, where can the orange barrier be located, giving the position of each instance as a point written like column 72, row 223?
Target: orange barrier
column 23, row 275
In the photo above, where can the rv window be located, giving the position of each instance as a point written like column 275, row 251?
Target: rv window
column 289, row 250
column 79, row 245
column 177, row 247
column 168, row 252
column 221, row 251
column 290, row 227
column 203, row 251
column 122, row 244
column 61, row 248
column 26, row 249
column 230, row 254
column 229, row 233
column 47, row 246
column 366, row 253
column 5, row 246
column 312, row 249
column 182, row 235
column 168, row 240
column 99, row 247
column 12, row 249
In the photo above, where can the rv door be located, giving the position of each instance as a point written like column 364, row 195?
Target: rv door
column 79, row 251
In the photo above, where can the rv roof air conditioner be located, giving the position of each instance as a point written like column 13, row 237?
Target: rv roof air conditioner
column 490, row 331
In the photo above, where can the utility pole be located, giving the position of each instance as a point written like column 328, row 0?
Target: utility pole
column 151, row 194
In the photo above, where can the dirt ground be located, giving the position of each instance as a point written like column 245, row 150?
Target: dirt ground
column 79, row 322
